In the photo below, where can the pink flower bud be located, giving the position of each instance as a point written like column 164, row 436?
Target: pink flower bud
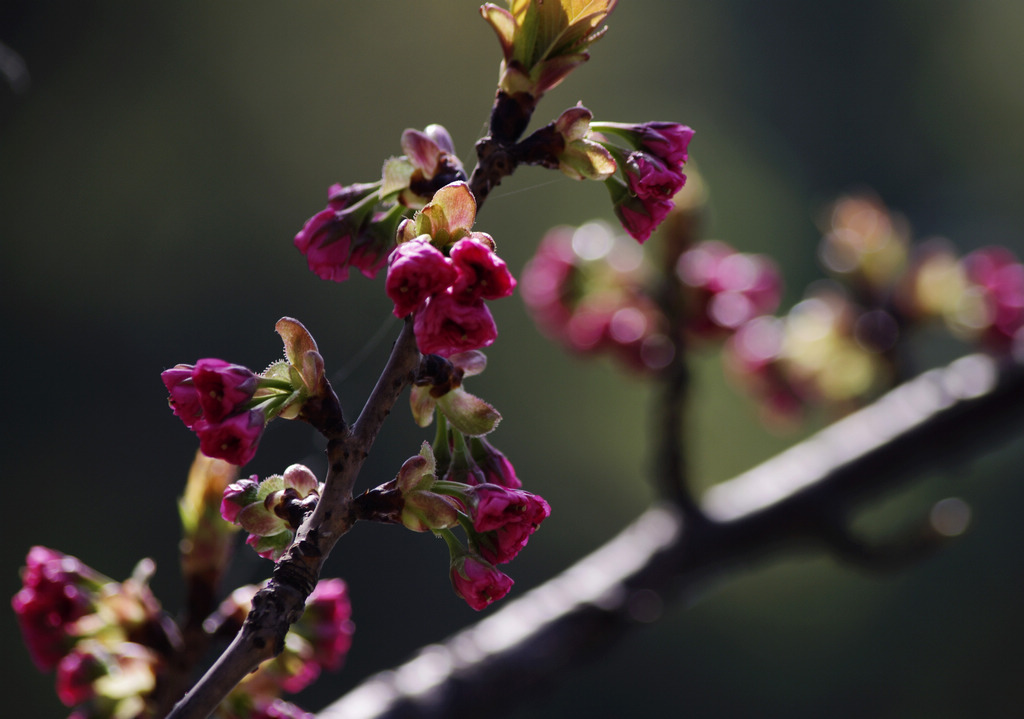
column 651, row 179
column 234, row 439
column 640, row 217
column 223, row 388
column 76, row 673
column 446, row 326
column 481, row 273
column 668, row 141
column 495, row 466
column 325, row 240
column 184, row 399
column 507, row 517
column 300, row 478
column 478, row 581
column 327, row 623
column 57, row 590
column 417, row 270
column 237, row 496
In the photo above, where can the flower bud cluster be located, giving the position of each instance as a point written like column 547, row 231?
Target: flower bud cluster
column 212, row 398
column 357, row 228
column 462, row 480
column 498, row 519
column 591, row 290
column 271, row 510
column 442, row 272
column 105, row 639
column 228, row 406
column 840, row 345
column 980, row 297
column 652, row 172
column 318, row 641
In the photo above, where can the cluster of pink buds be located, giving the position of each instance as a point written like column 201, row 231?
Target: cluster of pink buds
column 350, row 232
column 273, row 509
column 104, row 638
column 462, row 480
column 442, row 272
column 228, row 405
column 839, row 346
column 728, row 288
column 212, row 398
column 591, row 290
column 318, row 641
column 980, row 297
column 497, row 519
column 357, row 228
column 652, row 172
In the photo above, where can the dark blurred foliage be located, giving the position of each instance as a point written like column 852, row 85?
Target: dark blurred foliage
column 155, row 169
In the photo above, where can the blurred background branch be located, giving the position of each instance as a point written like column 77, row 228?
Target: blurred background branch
column 792, row 501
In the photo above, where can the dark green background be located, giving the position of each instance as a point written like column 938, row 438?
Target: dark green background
column 155, row 171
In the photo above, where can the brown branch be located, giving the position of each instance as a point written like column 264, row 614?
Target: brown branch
column 958, row 411
column 278, row 605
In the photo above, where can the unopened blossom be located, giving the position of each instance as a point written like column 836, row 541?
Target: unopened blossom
column 506, row 518
column 271, row 510
column 997, row 278
column 726, row 289
column 651, row 179
column 235, row 439
column 667, row 141
column 213, row 401
column 481, row 273
column 640, row 216
column 223, row 387
column 445, row 326
column 183, row 396
column 653, row 172
column 349, row 232
column 57, row 590
column 478, row 581
column 238, row 495
column 417, row 270
column 494, row 465
column 327, row 623
column 76, row 673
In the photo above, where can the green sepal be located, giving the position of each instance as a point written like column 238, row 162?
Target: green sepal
column 257, row 519
column 422, row 405
column 468, row 413
column 279, row 371
column 277, row 544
